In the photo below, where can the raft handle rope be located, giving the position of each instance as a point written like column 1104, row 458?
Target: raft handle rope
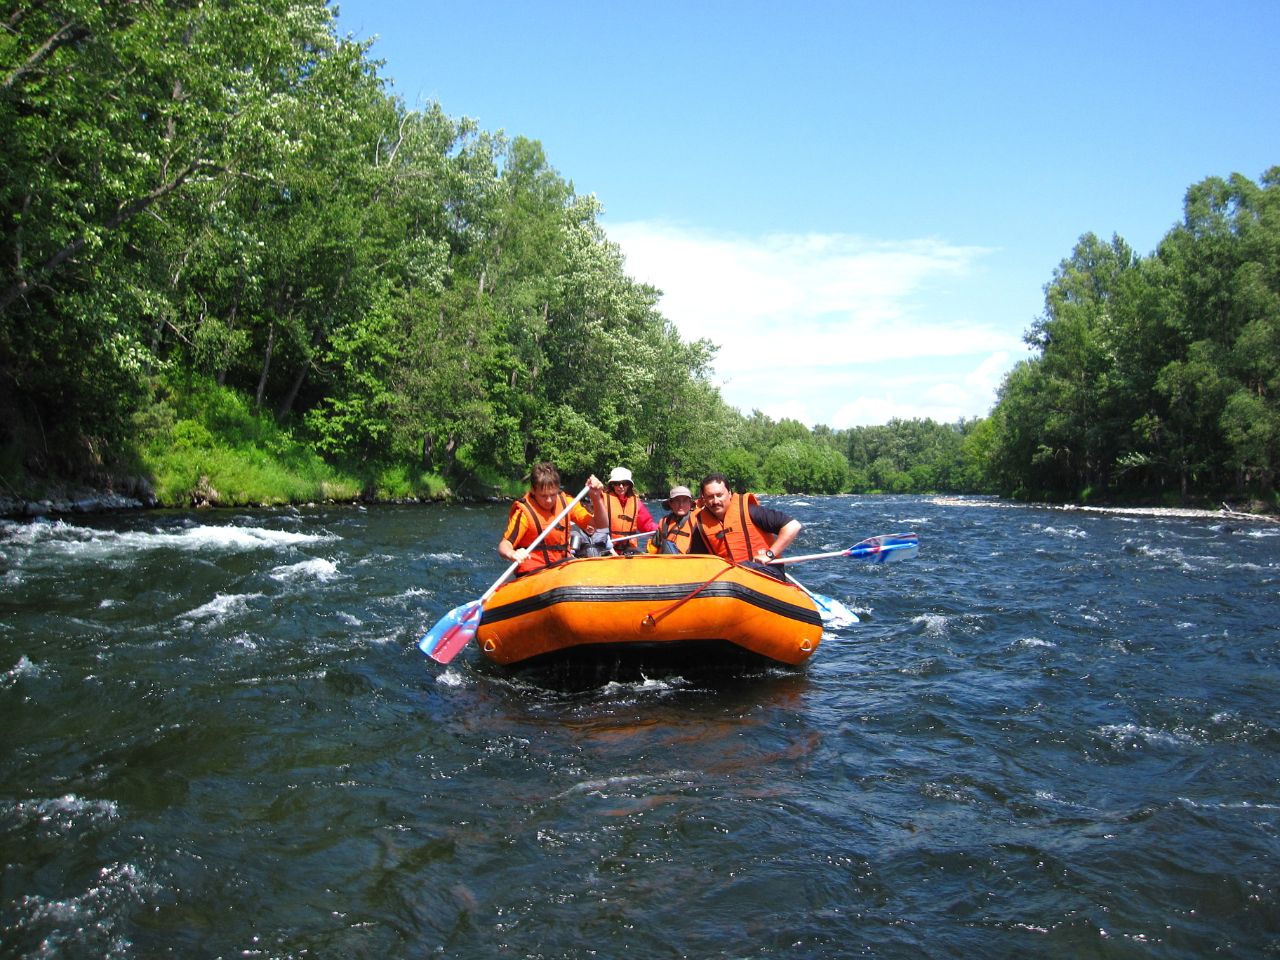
column 651, row 619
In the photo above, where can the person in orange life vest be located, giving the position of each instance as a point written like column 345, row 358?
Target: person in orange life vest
column 627, row 515
column 532, row 513
column 735, row 526
column 675, row 530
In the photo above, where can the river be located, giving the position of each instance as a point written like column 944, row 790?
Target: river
column 1052, row 734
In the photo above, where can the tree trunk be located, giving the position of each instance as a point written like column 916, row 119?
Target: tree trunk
column 266, row 365
column 286, row 405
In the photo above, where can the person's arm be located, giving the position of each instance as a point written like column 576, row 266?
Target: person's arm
column 512, row 554
column 785, row 536
column 597, row 503
column 644, row 519
column 507, row 549
column 784, row 528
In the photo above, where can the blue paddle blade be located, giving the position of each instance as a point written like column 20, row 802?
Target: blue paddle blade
column 887, row 549
column 452, row 632
column 833, row 612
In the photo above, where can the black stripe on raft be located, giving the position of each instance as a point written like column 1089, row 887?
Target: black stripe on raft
column 648, row 593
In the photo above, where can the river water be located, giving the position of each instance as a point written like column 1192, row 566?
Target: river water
column 1054, row 733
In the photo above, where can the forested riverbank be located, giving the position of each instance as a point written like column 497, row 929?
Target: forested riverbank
column 236, row 270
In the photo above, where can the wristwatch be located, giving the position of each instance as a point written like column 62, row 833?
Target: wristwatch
column 769, row 554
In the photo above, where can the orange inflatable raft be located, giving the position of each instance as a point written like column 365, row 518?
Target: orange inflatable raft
column 649, row 604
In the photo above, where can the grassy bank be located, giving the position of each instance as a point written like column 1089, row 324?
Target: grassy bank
column 208, row 445
column 205, row 445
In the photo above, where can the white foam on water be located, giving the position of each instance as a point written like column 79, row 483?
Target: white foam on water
column 644, row 685
column 1131, row 736
column 23, row 668
column 92, row 543
column 222, row 606
column 451, row 678
column 1228, row 805
column 604, row 785
column 838, row 619
column 67, row 811
column 226, row 538
column 1071, row 533
column 1034, row 642
column 89, row 923
column 935, row 624
column 316, row 569
column 245, row 642
column 1171, row 555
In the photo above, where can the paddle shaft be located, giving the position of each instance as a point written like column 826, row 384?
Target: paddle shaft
column 632, row 536
column 870, row 549
column 810, row 556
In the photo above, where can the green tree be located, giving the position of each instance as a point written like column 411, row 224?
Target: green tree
column 109, row 111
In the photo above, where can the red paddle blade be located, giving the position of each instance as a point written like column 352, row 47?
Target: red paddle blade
column 451, row 633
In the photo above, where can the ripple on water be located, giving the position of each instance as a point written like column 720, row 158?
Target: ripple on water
column 1054, row 735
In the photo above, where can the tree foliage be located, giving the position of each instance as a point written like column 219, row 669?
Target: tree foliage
column 225, row 193
column 1157, row 374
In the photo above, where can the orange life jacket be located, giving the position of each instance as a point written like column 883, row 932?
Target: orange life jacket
column 622, row 520
column 555, row 545
column 674, row 534
column 735, row 537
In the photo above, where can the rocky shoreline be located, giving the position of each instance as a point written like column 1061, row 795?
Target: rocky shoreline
column 1225, row 512
column 17, row 508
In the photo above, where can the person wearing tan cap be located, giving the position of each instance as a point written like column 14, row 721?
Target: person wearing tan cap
column 675, row 530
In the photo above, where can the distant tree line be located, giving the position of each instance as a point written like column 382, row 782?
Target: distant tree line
column 223, row 196
column 1153, row 375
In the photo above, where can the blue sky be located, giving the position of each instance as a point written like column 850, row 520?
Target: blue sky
column 861, row 203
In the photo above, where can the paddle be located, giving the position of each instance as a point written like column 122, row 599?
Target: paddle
column 632, row 536
column 831, row 609
column 887, row 548
column 455, row 629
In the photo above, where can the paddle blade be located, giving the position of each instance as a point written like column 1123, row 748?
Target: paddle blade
column 887, row 549
column 452, row 632
column 833, row 612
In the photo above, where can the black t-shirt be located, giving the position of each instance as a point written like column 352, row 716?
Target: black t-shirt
column 766, row 518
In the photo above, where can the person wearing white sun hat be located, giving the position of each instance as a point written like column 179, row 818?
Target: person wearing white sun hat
column 627, row 515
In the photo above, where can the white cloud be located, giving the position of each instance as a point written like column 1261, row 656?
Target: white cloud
column 826, row 328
